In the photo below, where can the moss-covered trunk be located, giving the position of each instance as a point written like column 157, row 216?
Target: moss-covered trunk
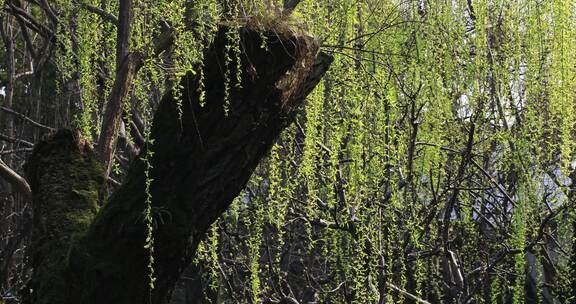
column 200, row 164
column 68, row 184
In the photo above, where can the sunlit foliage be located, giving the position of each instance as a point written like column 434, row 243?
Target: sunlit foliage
column 432, row 163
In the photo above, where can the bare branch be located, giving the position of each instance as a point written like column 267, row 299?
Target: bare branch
column 4, row 152
column 16, row 140
column 407, row 294
column 100, row 12
column 18, row 182
column 26, row 118
column 30, row 22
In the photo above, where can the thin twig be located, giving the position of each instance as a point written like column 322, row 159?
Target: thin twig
column 26, row 118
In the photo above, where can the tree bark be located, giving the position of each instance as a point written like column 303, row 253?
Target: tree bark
column 127, row 65
column 199, row 165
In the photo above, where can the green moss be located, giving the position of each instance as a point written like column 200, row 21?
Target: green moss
column 68, row 185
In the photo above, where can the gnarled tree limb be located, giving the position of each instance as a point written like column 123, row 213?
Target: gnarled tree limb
column 202, row 159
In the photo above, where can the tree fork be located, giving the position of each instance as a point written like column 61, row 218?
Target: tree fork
column 200, row 164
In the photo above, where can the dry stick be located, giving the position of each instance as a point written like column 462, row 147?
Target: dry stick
column 495, row 183
column 26, row 118
column 8, row 38
column 4, row 152
column 48, row 10
column 407, row 294
column 14, row 242
column 17, row 181
column 30, row 22
column 475, row 164
column 102, row 13
column 29, row 43
column 466, row 157
column 16, row 140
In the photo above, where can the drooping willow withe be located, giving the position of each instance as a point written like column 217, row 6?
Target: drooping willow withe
column 432, row 164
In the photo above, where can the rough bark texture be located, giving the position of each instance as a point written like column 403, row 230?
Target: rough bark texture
column 126, row 69
column 200, row 164
column 113, row 113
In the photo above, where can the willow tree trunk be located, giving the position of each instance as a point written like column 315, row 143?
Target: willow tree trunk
column 203, row 155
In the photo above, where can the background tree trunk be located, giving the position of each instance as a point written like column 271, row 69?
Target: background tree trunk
column 200, row 163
